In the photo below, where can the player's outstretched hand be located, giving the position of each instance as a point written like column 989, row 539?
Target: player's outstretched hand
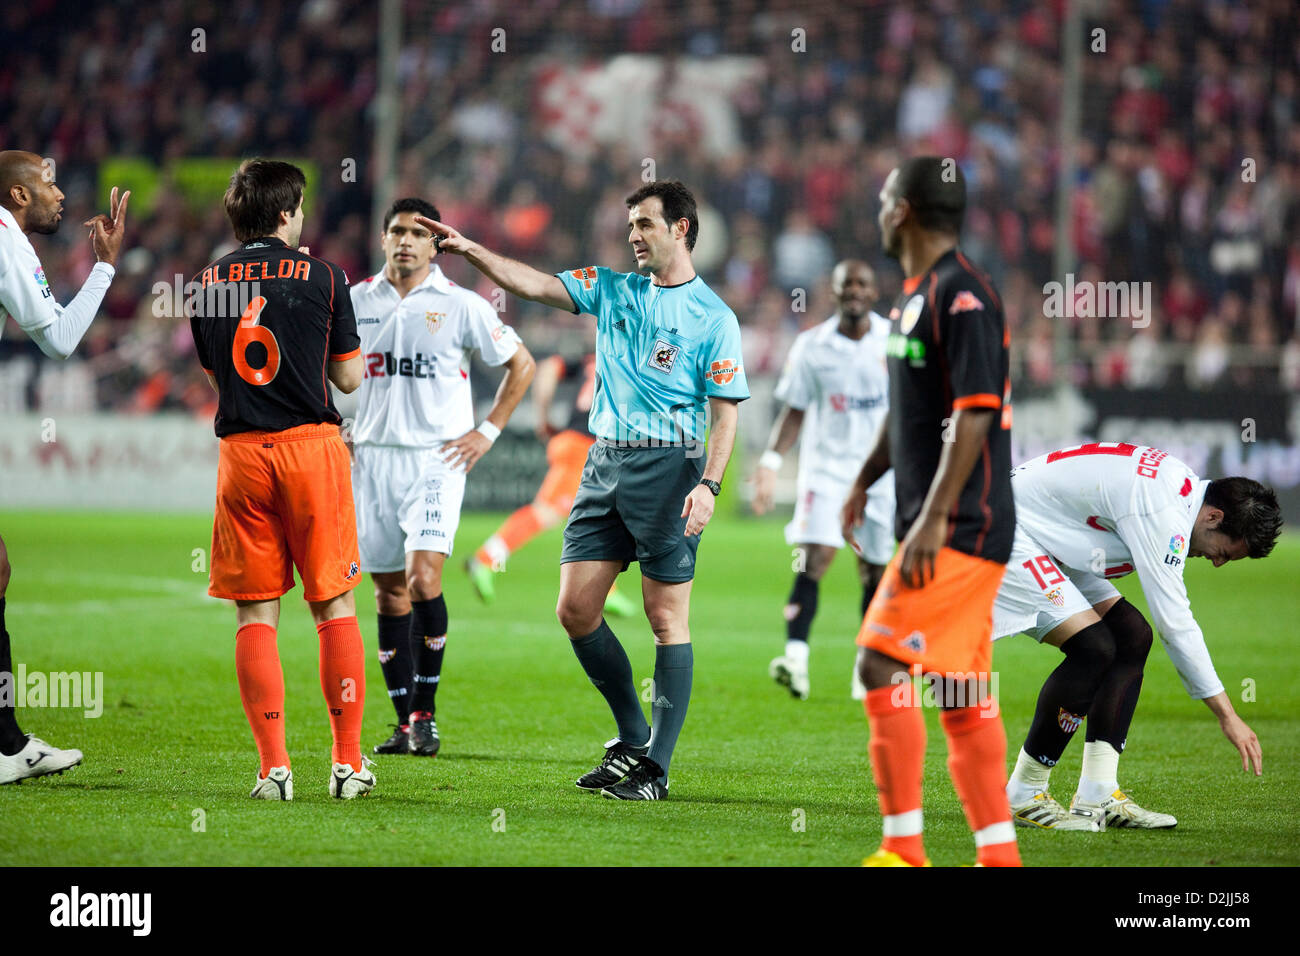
column 445, row 238
column 920, row 549
column 764, row 480
column 466, row 450
column 697, row 509
column 851, row 516
column 1244, row 739
column 106, row 231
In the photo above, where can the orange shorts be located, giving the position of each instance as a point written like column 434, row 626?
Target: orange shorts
column 284, row 499
column 944, row 627
column 566, row 454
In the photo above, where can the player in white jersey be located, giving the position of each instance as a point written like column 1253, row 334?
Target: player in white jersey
column 835, row 387
column 1086, row 515
column 414, row 441
column 31, row 202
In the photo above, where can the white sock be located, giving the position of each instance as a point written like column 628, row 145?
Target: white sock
column 1027, row 779
column 497, row 552
column 1099, row 777
column 797, row 651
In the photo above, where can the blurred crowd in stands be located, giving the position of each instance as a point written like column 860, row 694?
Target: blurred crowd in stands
column 1188, row 166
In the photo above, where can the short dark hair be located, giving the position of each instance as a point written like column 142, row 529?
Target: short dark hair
column 678, row 204
column 259, row 191
column 1250, row 512
column 420, row 207
column 936, row 189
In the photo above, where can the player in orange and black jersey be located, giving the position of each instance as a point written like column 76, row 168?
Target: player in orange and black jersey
column 566, row 454
column 947, row 437
column 273, row 326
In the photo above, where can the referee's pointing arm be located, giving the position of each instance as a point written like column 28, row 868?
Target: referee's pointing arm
column 516, row 278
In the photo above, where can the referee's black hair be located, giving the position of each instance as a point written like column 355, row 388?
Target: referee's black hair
column 1250, row 512
column 936, row 190
column 259, row 191
column 421, row 207
column 678, row 203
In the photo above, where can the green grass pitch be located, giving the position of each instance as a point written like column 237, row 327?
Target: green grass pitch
column 758, row 778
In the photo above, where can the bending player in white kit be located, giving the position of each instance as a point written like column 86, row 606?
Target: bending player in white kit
column 414, row 442
column 836, row 379
column 1084, row 515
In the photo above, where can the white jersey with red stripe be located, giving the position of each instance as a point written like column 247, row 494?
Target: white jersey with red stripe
column 416, row 389
column 842, row 387
column 1111, row 508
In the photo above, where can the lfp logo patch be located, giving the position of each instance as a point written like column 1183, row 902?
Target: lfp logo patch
column 41, row 281
column 1177, row 544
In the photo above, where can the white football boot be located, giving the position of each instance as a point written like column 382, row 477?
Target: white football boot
column 791, row 674
column 1119, row 810
column 36, row 759
column 346, row 783
column 276, row 785
column 1044, row 813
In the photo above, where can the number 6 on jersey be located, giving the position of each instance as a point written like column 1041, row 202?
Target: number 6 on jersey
column 250, row 331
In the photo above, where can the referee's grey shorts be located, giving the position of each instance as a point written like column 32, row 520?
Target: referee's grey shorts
column 628, row 508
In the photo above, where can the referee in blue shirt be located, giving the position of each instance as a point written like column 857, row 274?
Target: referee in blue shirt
column 668, row 364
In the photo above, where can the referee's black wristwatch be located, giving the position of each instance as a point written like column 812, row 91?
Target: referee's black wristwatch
column 712, row 485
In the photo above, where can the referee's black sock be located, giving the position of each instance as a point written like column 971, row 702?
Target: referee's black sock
column 674, row 670
column 1068, row 692
column 428, row 638
column 11, row 738
column 800, row 608
column 607, row 667
column 395, row 661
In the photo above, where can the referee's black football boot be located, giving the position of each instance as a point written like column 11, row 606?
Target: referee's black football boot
column 395, row 744
column 424, row 734
column 620, row 760
column 641, row 784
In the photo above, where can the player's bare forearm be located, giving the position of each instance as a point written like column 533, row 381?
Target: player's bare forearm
column 723, row 415
column 520, row 369
column 346, row 375
column 878, row 461
column 785, row 430
column 970, row 426
column 545, row 382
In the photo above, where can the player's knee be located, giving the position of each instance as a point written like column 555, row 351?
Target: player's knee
column 392, row 600
column 424, row 582
column 1093, row 647
column 1133, row 636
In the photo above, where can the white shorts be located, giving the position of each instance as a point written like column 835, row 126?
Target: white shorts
column 407, row 499
column 1037, row 594
column 817, row 521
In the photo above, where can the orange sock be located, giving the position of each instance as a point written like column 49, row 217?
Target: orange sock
column 977, row 760
column 261, row 689
column 515, row 532
column 343, row 681
column 897, row 751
